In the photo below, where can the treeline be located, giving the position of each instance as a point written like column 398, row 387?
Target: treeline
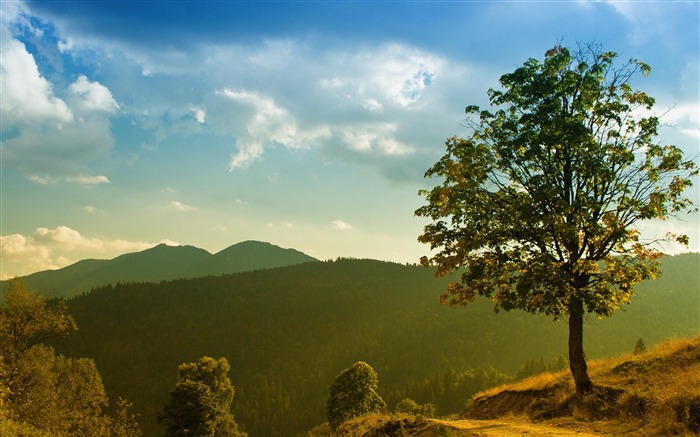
column 287, row 332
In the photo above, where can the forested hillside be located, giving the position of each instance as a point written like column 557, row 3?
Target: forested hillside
column 287, row 332
column 161, row 263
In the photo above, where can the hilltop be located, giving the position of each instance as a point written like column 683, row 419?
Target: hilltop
column 161, row 263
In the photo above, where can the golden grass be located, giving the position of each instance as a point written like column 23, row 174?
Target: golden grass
column 654, row 393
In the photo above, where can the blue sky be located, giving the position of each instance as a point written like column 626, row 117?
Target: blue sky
column 307, row 124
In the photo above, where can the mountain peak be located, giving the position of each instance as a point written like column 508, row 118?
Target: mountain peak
column 162, row 262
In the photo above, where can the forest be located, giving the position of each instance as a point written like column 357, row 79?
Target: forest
column 287, row 332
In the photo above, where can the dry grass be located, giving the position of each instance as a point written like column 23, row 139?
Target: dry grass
column 653, row 393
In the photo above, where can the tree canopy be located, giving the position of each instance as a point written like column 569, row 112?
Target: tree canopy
column 200, row 403
column 353, row 394
column 540, row 203
column 41, row 392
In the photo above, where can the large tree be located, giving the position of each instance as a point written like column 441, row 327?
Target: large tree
column 538, row 207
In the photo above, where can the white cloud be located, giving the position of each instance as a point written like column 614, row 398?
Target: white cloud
column 93, row 96
column 374, row 138
column 686, row 117
column 176, row 204
column 27, row 96
column 48, row 248
column 388, row 75
column 341, row 225
column 270, row 124
column 90, row 180
column 200, row 114
column 89, row 209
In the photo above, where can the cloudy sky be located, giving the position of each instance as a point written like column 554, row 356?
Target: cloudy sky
column 306, row 124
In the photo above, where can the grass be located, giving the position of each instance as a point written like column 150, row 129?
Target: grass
column 654, row 393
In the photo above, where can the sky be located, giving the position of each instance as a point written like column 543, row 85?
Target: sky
column 306, row 124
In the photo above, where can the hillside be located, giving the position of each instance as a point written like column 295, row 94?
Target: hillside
column 656, row 392
column 161, row 263
column 287, row 332
column 652, row 393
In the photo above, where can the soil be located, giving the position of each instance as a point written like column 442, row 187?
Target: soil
column 512, row 428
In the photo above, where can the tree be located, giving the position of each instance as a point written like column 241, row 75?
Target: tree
column 200, row 403
column 540, row 203
column 125, row 423
column 45, row 392
column 640, row 347
column 353, row 394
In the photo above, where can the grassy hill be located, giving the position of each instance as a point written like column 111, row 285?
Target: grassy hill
column 653, row 393
column 656, row 392
column 289, row 331
column 161, row 263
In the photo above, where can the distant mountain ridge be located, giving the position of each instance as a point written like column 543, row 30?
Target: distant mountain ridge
column 162, row 263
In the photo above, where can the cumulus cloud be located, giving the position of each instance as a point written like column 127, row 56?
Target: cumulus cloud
column 93, row 96
column 379, row 138
column 390, row 75
column 270, row 124
column 27, row 96
column 341, row 225
column 686, row 117
column 177, row 205
column 52, row 137
column 52, row 248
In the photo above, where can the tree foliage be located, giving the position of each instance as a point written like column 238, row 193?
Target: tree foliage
column 353, row 394
column 200, row 403
column 41, row 392
column 541, row 201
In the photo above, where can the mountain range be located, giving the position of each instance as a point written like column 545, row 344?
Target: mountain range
column 161, row 263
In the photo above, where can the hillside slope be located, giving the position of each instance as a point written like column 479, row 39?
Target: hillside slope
column 161, row 263
column 289, row 331
column 656, row 392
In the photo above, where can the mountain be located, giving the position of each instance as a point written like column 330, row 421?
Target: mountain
column 161, row 263
column 288, row 331
column 248, row 256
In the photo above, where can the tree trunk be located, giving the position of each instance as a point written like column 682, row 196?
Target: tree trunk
column 577, row 359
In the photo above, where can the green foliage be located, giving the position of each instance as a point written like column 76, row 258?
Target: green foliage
column 552, row 183
column 42, row 393
column 353, row 394
column 541, row 201
column 125, row 423
column 448, row 392
column 200, row 403
column 287, row 343
column 410, row 407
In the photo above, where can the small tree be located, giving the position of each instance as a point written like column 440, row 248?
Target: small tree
column 200, row 403
column 640, row 347
column 353, row 394
column 539, row 204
